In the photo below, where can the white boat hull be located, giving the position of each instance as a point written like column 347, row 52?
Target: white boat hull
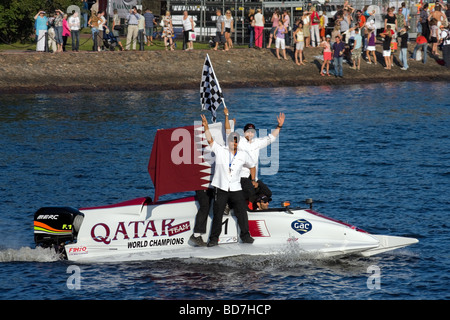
column 135, row 230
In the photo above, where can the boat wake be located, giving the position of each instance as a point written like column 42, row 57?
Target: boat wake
column 27, row 254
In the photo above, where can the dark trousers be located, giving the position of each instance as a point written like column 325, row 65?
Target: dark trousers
column 75, row 34
column 95, row 36
column 141, row 39
column 425, row 30
column 204, row 198
column 237, row 201
column 446, row 55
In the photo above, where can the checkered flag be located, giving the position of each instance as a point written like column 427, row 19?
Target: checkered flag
column 210, row 93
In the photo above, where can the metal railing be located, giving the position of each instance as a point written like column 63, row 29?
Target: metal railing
column 204, row 12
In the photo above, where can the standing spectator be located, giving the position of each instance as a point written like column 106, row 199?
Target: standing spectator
column 338, row 57
column 220, row 30
column 59, row 15
column 117, row 27
column 345, row 25
column 299, row 39
column 66, row 32
column 251, row 28
column 371, row 42
column 306, row 25
column 41, row 26
column 141, row 31
column 361, row 23
column 188, row 27
column 400, row 19
column 421, row 43
column 259, row 28
column 287, row 25
column 74, row 25
column 423, row 19
column 403, row 36
column 132, row 34
column 326, row 55
column 406, row 13
column 168, row 31
column 229, row 28
column 387, row 54
column 434, row 36
column 356, row 50
column 275, row 18
column 390, row 19
column 315, row 21
column 51, row 34
column 85, row 12
column 94, row 22
column 323, row 25
column 445, row 38
column 101, row 24
column 280, row 33
column 149, row 25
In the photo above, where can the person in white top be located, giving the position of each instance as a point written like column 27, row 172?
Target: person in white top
column 229, row 28
column 259, row 28
column 74, row 25
column 188, row 27
column 253, row 145
column 227, row 184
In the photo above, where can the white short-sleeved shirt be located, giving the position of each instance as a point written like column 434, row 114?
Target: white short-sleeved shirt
column 253, row 148
column 228, row 167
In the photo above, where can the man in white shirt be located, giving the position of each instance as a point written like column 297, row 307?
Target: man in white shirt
column 227, row 184
column 253, row 146
column 74, row 25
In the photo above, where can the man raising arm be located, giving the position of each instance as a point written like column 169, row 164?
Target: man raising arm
column 227, row 185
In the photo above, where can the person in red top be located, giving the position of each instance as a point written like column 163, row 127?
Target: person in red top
column 315, row 20
column 362, row 24
column 361, row 19
column 421, row 42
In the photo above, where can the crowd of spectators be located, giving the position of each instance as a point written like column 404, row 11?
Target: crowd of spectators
column 353, row 37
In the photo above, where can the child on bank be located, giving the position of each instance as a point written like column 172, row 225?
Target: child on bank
column 299, row 44
column 326, row 55
column 280, row 33
column 387, row 54
column 371, row 41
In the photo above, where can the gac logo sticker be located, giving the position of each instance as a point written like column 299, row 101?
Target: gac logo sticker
column 301, row 226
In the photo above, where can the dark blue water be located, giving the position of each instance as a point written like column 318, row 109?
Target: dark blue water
column 376, row 156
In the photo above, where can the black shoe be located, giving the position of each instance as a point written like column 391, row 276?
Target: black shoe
column 247, row 239
column 197, row 241
column 212, row 243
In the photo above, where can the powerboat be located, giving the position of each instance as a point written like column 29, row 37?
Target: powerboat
column 148, row 229
column 141, row 229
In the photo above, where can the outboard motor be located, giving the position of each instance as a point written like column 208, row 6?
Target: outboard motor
column 54, row 227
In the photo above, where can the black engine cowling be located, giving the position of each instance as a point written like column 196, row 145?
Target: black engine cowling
column 56, row 226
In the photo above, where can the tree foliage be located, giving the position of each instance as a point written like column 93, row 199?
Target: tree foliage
column 17, row 16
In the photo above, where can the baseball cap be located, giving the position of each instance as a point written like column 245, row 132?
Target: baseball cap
column 263, row 198
column 249, row 126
